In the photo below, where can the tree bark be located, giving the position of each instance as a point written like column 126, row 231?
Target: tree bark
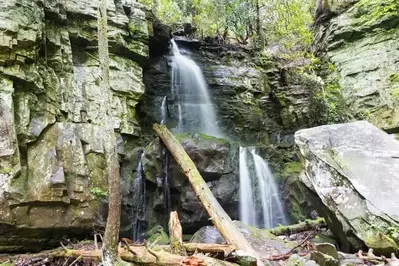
column 259, row 29
column 111, row 235
column 218, row 216
column 176, row 235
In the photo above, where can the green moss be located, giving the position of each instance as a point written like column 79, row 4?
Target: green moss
column 182, row 136
column 292, row 168
column 296, row 211
column 155, row 232
column 372, row 11
column 5, row 170
column 98, row 192
column 394, row 78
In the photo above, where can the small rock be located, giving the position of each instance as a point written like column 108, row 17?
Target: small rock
column 295, row 260
column 324, row 259
column 327, row 249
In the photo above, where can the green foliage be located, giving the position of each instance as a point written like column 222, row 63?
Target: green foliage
column 98, row 192
column 285, row 22
column 240, row 16
column 331, row 103
column 169, row 12
column 288, row 22
column 371, row 11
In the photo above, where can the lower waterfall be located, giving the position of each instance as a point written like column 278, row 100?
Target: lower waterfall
column 260, row 203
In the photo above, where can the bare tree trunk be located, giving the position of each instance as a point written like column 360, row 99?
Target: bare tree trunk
column 176, row 235
column 322, row 6
column 111, row 236
column 259, row 29
column 218, row 216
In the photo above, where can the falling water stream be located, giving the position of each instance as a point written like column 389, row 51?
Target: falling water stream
column 139, row 203
column 260, row 203
column 195, row 109
column 163, row 111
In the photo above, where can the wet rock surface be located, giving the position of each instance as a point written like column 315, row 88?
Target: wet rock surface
column 217, row 161
column 353, row 169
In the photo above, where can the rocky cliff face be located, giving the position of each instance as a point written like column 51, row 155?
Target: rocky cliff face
column 360, row 48
column 52, row 174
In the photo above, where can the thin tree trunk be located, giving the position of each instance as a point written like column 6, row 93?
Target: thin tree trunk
column 218, row 216
column 111, row 236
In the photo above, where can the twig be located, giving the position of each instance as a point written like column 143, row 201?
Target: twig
column 151, row 245
column 66, row 261
column 289, row 253
column 95, row 242
column 63, row 246
column 73, row 262
column 124, row 241
column 312, row 234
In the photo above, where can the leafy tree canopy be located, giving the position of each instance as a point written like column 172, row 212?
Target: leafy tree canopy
column 285, row 22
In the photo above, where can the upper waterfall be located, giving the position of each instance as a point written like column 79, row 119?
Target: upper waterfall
column 196, row 111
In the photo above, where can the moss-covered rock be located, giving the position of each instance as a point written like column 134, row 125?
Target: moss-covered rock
column 361, row 45
column 158, row 234
column 53, row 180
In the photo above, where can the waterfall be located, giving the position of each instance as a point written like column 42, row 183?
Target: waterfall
column 247, row 206
column 191, row 94
column 163, row 111
column 260, row 204
column 180, row 122
column 139, row 204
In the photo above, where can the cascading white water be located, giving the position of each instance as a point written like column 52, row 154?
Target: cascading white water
column 190, row 90
column 163, row 111
column 260, row 204
column 139, row 207
column 247, row 207
column 180, row 122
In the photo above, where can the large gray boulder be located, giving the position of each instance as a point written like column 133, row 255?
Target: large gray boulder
column 354, row 170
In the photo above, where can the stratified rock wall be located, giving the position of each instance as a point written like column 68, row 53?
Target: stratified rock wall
column 52, row 167
column 362, row 48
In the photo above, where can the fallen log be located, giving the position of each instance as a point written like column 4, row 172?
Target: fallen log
column 300, row 227
column 176, row 235
column 216, row 213
column 134, row 254
column 201, row 248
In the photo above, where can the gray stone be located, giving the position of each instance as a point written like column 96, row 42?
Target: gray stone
column 323, row 259
column 296, row 260
column 354, row 171
column 328, row 249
